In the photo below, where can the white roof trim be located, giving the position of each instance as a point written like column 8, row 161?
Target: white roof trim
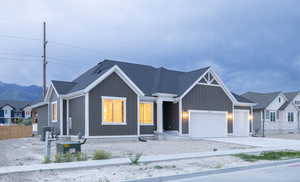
column 49, row 91
column 159, row 94
column 38, row 105
column 123, row 76
column 217, row 78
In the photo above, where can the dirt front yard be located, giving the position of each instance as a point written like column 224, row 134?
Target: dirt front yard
column 130, row 172
column 27, row 151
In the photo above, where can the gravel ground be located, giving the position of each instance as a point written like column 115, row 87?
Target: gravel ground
column 27, row 151
column 129, row 172
column 292, row 136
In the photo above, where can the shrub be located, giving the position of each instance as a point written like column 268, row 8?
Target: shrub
column 134, row 158
column 81, row 156
column 59, row 158
column 27, row 122
column 101, row 154
column 68, row 157
column 46, row 160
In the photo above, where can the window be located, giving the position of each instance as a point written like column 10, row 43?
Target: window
column 290, row 117
column 146, row 113
column 279, row 99
column 5, row 111
column 297, row 102
column 272, row 116
column 267, row 114
column 54, row 111
column 113, row 110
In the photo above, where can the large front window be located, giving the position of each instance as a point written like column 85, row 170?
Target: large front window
column 113, row 110
column 146, row 113
column 54, row 111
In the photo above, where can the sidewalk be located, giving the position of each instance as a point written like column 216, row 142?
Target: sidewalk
column 126, row 161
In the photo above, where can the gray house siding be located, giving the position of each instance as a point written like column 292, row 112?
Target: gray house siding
column 204, row 97
column 65, row 117
column 113, row 86
column 144, row 130
column 42, row 117
column 77, row 113
column 54, row 98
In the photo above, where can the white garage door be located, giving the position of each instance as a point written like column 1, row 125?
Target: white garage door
column 208, row 124
column 241, row 125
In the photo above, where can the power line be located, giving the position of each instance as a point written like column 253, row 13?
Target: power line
column 19, row 37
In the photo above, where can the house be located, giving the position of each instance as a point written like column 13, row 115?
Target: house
column 12, row 111
column 119, row 99
column 275, row 112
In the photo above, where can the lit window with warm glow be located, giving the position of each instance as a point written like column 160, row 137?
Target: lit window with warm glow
column 113, row 110
column 54, row 112
column 146, row 113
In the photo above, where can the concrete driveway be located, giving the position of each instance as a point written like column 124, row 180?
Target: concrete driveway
column 259, row 141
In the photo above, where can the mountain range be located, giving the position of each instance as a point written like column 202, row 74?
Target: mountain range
column 9, row 91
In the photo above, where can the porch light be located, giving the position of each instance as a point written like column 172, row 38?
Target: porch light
column 250, row 117
column 185, row 115
column 229, row 116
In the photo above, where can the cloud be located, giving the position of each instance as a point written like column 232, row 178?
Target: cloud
column 249, row 43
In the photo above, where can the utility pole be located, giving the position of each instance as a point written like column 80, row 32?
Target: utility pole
column 44, row 61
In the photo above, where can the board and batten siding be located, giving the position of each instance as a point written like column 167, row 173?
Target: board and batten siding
column 146, row 129
column 77, row 113
column 54, row 98
column 204, row 97
column 42, row 117
column 112, row 86
column 65, row 119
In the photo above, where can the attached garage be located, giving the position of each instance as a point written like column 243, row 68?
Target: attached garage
column 208, row 124
column 241, row 124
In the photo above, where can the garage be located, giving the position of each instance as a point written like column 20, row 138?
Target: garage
column 241, row 124
column 208, row 124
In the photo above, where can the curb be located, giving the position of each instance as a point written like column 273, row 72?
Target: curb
column 213, row 172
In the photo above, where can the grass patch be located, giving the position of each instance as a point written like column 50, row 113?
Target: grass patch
column 279, row 155
column 46, row 160
column 101, row 154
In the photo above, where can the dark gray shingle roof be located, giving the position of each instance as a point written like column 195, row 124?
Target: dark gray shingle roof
column 18, row 105
column 148, row 78
column 241, row 98
column 63, row 87
column 262, row 99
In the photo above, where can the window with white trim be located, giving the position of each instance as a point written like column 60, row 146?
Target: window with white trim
column 267, row 114
column 146, row 113
column 297, row 102
column 290, row 116
column 54, row 111
column 273, row 116
column 113, row 110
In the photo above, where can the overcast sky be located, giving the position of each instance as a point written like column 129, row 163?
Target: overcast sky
column 252, row 44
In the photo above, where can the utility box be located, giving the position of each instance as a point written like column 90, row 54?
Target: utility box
column 68, row 147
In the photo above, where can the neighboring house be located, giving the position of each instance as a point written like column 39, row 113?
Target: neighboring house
column 11, row 111
column 115, row 99
column 275, row 112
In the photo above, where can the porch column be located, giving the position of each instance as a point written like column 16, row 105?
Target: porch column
column 159, row 109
